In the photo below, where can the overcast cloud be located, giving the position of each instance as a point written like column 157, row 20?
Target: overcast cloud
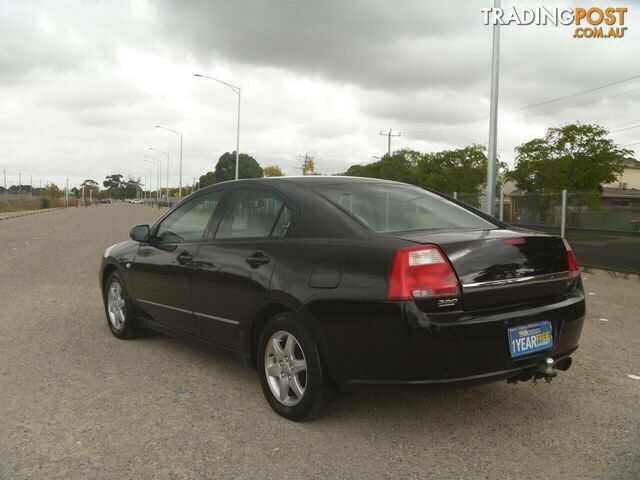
column 82, row 84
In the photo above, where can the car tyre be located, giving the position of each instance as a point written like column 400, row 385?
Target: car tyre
column 118, row 308
column 290, row 369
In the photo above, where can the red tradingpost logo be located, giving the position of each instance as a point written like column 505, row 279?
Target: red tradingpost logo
column 592, row 22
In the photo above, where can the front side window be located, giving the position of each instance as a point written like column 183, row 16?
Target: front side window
column 254, row 214
column 188, row 222
column 390, row 208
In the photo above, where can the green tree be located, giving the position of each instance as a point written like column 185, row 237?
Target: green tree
column 130, row 188
column 398, row 166
column 208, row 178
column 114, row 184
column 90, row 185
column 272, row 171
column 463, row 170
column 576, row 158
column 226, row 167
column 49, row 194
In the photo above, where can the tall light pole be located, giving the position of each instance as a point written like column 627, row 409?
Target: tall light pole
column 147, row 171
column 180, row 176
column 158, row 164
column 235, row 90
column 166, row 155
column 493, row 120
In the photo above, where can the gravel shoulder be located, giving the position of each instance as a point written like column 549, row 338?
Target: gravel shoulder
column 77, row 403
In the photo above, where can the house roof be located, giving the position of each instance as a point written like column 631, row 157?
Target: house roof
column 631, row 163
column 620, row 192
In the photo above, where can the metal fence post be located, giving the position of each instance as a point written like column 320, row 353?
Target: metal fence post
column 455, row 195
column 501, row 205
column 563, row 216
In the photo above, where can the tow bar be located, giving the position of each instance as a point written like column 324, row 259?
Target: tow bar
column 547, row 370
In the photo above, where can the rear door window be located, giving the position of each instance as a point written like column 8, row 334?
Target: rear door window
column 400, row 208
column 254, row 214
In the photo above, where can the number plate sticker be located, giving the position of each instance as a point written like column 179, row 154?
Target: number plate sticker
column 528, row 339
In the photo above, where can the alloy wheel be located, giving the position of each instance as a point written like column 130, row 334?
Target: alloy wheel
column 286, row 368
column 116, row 305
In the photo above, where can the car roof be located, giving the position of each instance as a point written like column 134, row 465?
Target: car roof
column 312, row 180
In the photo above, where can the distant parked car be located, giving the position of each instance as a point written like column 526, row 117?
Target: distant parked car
column 136, row 201
column 106, row 200
column 339, row 283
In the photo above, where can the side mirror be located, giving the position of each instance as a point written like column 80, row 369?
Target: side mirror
column 140, row 233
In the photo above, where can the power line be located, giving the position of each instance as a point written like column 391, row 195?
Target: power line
column 527, row 107
column 430, row 127
column 617, row 82
column 624, row 128
column 577, row 105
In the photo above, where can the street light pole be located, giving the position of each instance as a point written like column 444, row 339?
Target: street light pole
column 166, row 155
column 180, row 176
column 146, row 172
column 235, row 90
column 493, row 120
column 158, row 164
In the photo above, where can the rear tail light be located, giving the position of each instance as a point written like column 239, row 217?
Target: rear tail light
column 574, row 268
column 421, row 272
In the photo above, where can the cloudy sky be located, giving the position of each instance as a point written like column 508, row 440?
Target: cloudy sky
column 82, row 83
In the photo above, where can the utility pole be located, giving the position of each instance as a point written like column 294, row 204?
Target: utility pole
column 5, row 179
column 307, row 165
column 31, row 187
column 66, row 194
column 20, row 182
column 493, row 119
column 389, row 135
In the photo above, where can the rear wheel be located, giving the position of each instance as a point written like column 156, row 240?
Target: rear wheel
column 290, row 370
column 118, row 308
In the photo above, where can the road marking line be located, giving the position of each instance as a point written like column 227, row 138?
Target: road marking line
column 634, row 377
column 604, row 319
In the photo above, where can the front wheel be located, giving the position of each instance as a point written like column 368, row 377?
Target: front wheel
column 290, row 370
column 118, row 308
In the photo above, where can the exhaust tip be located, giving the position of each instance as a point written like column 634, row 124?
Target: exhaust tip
column 563, row 364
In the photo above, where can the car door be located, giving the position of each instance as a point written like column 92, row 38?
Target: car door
column 161, row 271
column 233, row 269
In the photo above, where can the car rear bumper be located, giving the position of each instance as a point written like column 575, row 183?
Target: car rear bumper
column 395, row 345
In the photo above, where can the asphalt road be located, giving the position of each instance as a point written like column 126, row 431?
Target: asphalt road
column 77, row 403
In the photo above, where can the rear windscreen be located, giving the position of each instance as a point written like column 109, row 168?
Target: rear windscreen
column 400, row 208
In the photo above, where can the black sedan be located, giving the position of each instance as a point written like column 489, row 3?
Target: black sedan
column 335, row 284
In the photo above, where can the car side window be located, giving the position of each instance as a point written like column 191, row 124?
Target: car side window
column 188, row 222
column 254, row 214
